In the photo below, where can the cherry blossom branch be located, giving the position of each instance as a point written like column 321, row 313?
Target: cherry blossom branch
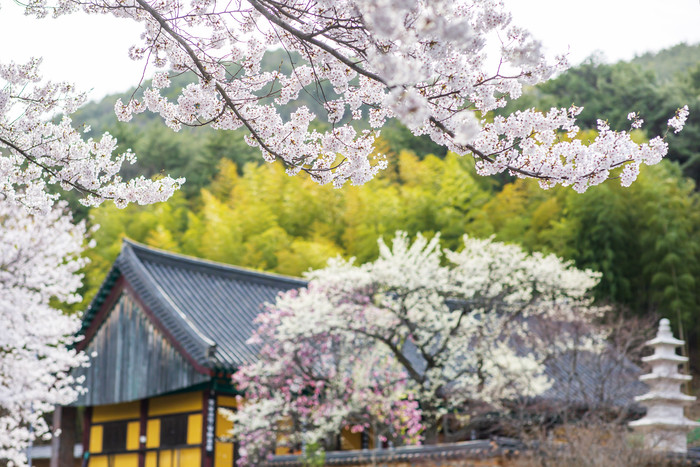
column 420, row 63
column 33, row 160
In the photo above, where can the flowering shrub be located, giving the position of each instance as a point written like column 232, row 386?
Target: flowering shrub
column 397, row 343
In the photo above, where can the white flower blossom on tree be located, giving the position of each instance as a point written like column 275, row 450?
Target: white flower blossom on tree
column 39, row 262
column 422, row 62
column 399, row 342
column 35, row 151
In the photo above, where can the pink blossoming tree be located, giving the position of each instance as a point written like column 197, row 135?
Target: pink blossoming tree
column 399, row 342
column 39, row 263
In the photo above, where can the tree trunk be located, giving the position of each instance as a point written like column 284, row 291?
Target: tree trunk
column 64, row 419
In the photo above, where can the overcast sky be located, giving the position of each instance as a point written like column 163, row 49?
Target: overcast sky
column 92, row 51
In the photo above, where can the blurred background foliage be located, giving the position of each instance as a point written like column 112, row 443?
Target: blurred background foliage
column 645, row 239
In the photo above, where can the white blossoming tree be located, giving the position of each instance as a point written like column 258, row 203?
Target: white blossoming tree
column 39, row 263
column 36, row 152
column 399, row 342
column 422, row 62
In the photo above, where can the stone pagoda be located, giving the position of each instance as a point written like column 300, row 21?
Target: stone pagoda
column 665, row 426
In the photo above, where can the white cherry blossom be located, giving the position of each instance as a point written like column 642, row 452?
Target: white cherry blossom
column 39, row 262
column 36, row 151
column 421, row 62
column 362, row 344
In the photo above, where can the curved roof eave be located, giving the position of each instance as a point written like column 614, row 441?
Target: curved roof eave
column 136, row 263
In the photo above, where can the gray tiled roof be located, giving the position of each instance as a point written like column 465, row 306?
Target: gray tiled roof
column 466, row 452
column 207, row 307
column 590, row 379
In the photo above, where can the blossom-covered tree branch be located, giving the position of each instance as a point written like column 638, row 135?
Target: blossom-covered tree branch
column 424, row 63
column 397, row 343
column 35, row 152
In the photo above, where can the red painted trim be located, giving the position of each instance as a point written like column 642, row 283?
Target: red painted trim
column 142, row 431
column 102, row 313
column 156, row 322
column 123, row 285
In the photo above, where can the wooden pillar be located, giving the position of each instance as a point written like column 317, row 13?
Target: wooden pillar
column 208, row 427
column 87, row 424
column 64, row 419
column 143, row 421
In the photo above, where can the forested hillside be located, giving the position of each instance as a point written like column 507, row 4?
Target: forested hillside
column 644, row 239
column 651, row 85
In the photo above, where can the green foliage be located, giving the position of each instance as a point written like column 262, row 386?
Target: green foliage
column 644, row 239
column 670, row 245
column 314, row 455
column 670, row 63
column 266, row 220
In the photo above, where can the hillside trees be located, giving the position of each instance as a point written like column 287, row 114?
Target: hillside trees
column 251, row 219
column 635, row 237
column 39, row 264
column 400, row 341
column 303, row 223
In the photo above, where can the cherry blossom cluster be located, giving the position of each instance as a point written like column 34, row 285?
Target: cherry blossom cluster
column 422, row 62
column 39, row 262
column 678, row 121
column 37, row 152
column 529, row 143
column 395, row 344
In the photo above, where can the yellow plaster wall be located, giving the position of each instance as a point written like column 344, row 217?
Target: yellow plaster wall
column 99, row 461
column 151, row 459
column 176, row 403
column 109, row 413
column 166, row 457
column 282, row 446
column 226, row 401
column 116, row 460
column 157, row 407
column 282, row 449
column 223, row 452
column 96, row 438
column 153, row 433
column 190, row 457
column 132, row 435
column 223, row 425
column 194, row 429
column 350, row 441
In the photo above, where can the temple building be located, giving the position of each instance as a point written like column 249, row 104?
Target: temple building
column 164, row 334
